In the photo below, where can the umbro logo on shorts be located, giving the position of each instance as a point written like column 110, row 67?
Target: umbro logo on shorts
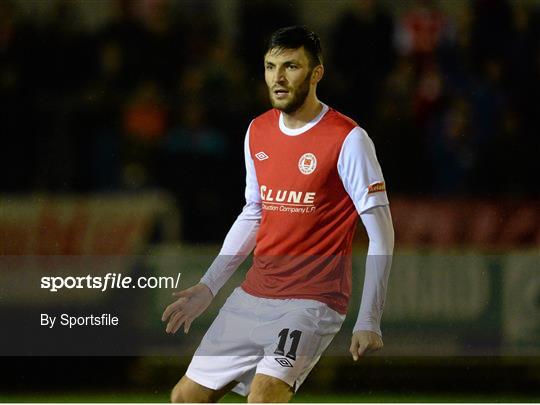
column 261, row 156
column 283, row 362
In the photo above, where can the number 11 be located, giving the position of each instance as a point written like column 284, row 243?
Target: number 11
column 295, row 336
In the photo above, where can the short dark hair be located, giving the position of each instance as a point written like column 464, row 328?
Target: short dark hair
column 295, row 37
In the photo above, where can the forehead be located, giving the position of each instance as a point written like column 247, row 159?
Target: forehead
column 286, row 54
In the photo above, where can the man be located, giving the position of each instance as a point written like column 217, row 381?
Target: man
column 311, row 172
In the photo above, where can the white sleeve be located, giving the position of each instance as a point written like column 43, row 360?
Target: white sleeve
column 252, row 185
column 241, row 238
column 360, row 171
column 362, row 178
column 378, row 224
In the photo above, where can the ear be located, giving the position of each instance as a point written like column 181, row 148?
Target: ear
column 317, row 74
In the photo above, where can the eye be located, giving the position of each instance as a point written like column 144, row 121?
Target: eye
column 269, row 67
column 292, row 67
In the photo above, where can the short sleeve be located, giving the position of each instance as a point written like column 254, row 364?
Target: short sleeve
column 360, row 171
column 252, row 186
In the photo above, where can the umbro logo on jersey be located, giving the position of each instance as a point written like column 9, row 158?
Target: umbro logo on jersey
column 261, row 156
column 283, row 362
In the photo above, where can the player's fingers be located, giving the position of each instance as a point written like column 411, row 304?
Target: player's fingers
column 362, row 349
column 174, row 307
column 377, row 346
column 369, row 350
column 171, row 308
column 354, row 349
column 374, row 346
column 179, row 320
column 179, row 323
column 173, row 324
column 187, row 325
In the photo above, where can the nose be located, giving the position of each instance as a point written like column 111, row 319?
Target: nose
column 280, row 76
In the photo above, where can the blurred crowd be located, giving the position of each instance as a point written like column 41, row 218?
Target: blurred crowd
column 159, row 98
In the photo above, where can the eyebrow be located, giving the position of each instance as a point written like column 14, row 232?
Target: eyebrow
column 287, row 62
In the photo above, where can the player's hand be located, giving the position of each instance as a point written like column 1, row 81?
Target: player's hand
column 363, row 342
column 189, row 305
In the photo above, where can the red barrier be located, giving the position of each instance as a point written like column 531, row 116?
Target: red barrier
column 94, row 225
column 472, row 223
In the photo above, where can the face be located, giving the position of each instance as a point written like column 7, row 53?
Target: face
column 289, row 78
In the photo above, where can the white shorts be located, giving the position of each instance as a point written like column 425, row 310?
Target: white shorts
column 282, row 338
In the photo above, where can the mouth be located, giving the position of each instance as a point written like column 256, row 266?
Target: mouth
column 280, row 93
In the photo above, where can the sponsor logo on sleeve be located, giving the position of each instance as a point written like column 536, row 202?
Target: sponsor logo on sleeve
column 376, row 187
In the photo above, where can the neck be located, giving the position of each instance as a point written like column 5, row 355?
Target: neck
column 309, row 110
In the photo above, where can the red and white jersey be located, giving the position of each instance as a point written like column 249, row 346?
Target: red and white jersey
column 312, row 183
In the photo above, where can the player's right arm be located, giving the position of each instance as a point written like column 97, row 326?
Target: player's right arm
column 237, row 246
column 363, row 180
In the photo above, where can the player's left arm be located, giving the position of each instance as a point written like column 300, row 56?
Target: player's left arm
column 362, row 178
column 367, row 336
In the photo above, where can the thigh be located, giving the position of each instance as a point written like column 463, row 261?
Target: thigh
column 188, row 390
column 265, row 388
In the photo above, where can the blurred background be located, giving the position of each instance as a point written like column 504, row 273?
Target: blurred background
column 122, row 125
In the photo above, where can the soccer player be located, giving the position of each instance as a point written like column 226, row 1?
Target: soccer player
column 311, row 173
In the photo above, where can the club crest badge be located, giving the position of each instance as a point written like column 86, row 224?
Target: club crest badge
column 307, row 163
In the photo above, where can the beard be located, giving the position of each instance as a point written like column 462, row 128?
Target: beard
column 299, row 97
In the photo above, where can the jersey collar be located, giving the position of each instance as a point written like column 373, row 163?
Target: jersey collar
column 301, row 130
